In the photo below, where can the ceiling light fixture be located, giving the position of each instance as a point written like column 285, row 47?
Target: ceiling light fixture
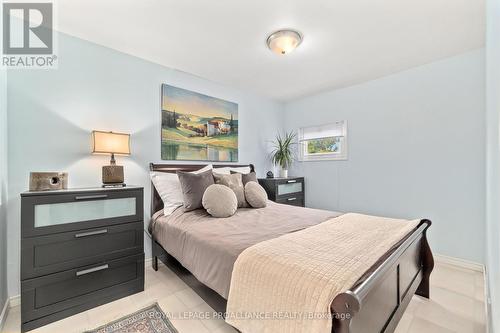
column 284, row 41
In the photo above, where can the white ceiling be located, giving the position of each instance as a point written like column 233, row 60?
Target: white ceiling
column 345, row 41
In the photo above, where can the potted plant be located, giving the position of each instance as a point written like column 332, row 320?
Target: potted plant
column 282, row 154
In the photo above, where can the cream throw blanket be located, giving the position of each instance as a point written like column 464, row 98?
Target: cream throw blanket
column 287, row 284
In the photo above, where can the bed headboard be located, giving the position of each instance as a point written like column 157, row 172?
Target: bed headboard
column 156, row 202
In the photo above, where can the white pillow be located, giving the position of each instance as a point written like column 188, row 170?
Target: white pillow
column 222, row 171
column 227, row 170
column 169, row 188
column 205, row 168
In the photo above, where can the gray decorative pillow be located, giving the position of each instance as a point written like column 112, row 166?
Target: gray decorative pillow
column 220, row 201
column 193, row 186
column 235, row 183
column 255, row 195
column 247, row 177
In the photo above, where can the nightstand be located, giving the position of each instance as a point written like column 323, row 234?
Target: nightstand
column 80, row 248
column 289, row 191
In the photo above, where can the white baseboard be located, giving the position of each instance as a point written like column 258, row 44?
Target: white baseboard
column 3, row 314
column 487, row 302
column 15, row 301
column 462, row 263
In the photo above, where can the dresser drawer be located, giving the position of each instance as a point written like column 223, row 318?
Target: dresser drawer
column 289, row 191
column 87, row 285
column 294, row 200
column 54, row 253
column 55, row 213
column 289, row 187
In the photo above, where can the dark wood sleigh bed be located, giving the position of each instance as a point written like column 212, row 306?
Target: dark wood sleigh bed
column 375, row 303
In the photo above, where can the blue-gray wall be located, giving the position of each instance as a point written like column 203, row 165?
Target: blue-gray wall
column 3, row 188
column 416, row 138
column 51, row 114
column 416, row 149
column 493, row 158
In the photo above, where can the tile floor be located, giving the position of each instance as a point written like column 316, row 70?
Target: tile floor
column 456, row 305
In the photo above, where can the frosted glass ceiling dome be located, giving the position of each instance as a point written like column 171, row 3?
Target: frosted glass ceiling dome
column 284, row 41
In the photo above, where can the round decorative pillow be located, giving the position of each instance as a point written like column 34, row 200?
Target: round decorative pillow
column 219, row 201
column 255, row 195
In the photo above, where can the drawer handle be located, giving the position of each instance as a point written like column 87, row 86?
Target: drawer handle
column 92, row 197
column 92, row 270
column 292, row 199
column 91, row 233
column 292, row 181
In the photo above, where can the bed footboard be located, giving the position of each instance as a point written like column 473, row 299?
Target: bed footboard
column 378, row 300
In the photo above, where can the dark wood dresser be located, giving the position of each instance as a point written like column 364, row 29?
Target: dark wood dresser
column 80, row 248
column 289, row 191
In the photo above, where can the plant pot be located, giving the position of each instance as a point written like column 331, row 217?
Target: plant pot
column 283, row 173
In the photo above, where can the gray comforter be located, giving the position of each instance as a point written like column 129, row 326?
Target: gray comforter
column 208, row 246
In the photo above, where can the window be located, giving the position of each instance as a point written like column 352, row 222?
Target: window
column 324, row 142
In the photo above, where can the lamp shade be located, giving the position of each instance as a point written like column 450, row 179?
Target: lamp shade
column 110, row 143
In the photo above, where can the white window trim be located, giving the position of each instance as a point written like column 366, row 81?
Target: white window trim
column 341, row 156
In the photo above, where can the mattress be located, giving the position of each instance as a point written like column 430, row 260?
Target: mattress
column 208, row 247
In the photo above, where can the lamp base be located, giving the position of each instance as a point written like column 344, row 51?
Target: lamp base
column 112, row 174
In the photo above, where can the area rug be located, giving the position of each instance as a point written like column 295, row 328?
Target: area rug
column 149, row 320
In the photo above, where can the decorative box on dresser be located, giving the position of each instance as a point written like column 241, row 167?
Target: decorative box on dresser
column 289, row 191
column 80, row 248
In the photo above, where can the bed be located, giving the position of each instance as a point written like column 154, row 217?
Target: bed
column 374, row 303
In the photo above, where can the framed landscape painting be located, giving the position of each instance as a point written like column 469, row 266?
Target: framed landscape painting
column 197, row 127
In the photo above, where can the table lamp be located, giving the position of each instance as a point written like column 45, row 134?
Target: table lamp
column 111, row 143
